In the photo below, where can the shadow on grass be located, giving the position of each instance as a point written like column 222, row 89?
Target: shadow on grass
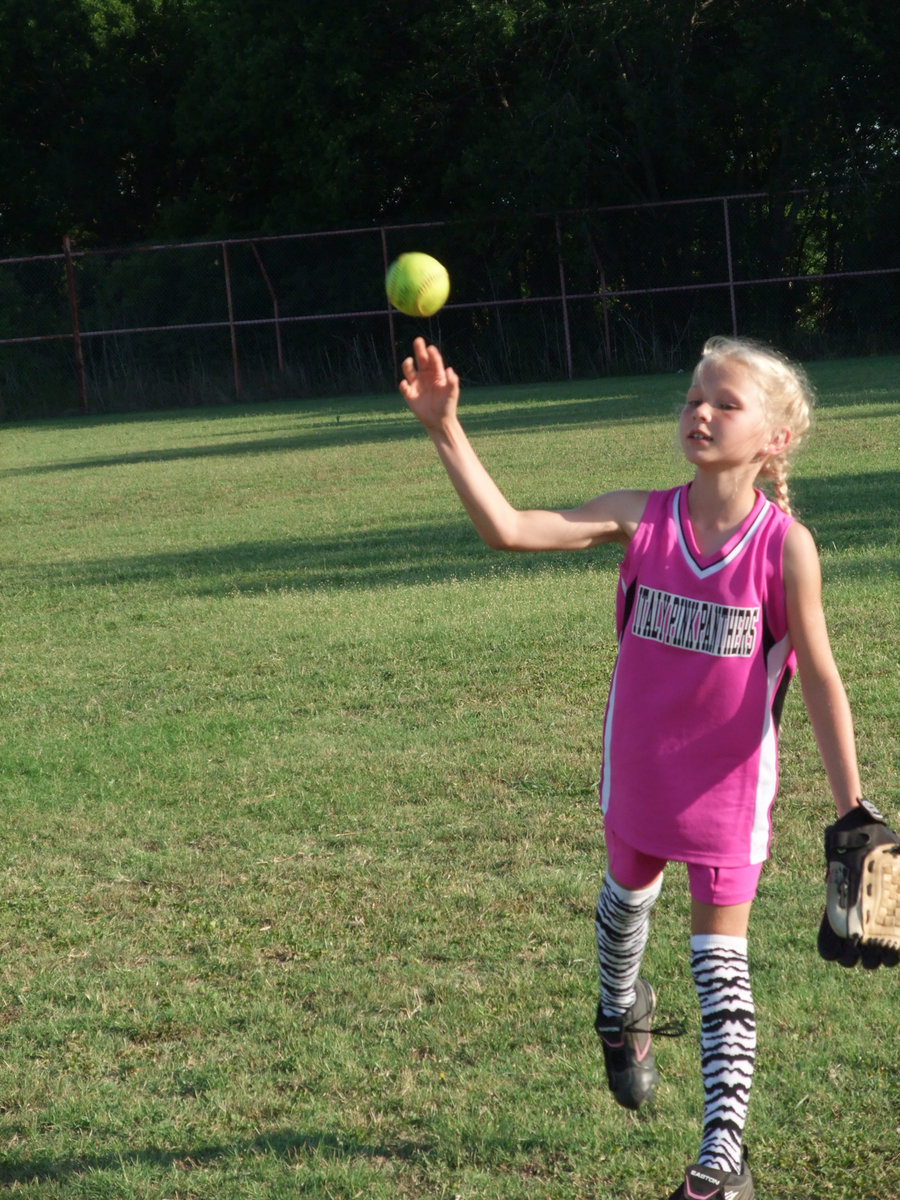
column 355, row 422
column 371, row 426
column 285, row 1145
column 853, row 511
column 844, row 512
column 401, row 556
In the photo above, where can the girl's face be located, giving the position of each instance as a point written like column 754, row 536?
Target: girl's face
column 724, row 422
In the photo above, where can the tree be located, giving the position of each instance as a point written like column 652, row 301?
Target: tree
column 124, row 119
column 85, row 117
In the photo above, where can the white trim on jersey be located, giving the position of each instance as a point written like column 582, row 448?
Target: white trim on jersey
column 712, row 568
column 767, row 770
column 606, row 775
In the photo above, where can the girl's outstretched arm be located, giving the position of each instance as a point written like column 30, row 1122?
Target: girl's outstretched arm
column 431, row 390
column 823, row 691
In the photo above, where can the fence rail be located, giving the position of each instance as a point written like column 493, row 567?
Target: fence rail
column 593, row 290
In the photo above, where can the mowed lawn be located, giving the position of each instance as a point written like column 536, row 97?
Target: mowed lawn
column 300, row 839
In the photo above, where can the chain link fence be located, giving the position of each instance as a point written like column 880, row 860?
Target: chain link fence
column 534, row 298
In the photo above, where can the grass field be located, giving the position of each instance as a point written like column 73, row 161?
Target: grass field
column 301, row 847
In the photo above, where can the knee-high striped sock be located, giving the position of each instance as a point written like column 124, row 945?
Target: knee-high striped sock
column 622, row 923
column 727, row 1045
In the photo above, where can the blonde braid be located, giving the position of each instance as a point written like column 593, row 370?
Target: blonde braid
column 776, row 469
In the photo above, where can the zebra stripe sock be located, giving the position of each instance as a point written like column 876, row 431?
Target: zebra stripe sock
column 621, row 924
column 727, row 1045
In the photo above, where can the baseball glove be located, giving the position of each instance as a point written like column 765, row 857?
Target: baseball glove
column 861, row 921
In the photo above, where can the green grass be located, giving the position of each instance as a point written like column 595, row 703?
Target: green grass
column 301, row 843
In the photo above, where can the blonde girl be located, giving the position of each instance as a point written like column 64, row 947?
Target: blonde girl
column 719, row 602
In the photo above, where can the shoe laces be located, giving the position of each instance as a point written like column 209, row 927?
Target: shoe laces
column 671, row 1029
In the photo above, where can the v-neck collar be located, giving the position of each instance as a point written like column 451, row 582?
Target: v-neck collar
column 708, row 564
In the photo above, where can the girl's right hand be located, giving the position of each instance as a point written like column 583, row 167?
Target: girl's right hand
column 429, row 388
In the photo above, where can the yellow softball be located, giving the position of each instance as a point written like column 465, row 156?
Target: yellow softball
column 417, row 284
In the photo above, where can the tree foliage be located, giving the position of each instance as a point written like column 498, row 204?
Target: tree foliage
column 130, row 119
column 85, row 118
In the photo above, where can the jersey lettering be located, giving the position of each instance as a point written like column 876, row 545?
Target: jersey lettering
column 716, row 629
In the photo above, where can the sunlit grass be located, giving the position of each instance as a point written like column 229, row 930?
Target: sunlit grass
column 301, row 844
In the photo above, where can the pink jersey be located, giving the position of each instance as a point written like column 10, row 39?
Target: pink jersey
column 690, row 755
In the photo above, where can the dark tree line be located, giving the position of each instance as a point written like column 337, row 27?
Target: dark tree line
column 124, row 120
column 524, row 124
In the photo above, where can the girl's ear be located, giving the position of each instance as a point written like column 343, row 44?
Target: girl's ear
column 778, row 442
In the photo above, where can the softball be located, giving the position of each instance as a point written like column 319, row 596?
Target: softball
column 417, row 284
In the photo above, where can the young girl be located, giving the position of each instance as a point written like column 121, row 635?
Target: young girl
column 719, row 601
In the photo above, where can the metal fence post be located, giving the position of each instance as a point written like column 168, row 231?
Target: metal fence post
column 76, row 328
column 604, row 294
column 562, row 297
column 234, row 351
column 734, row 328
column 275, row 311
column 390, row 312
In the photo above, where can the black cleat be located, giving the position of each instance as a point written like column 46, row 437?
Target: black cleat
column 630, row 1062
column 706, row 1183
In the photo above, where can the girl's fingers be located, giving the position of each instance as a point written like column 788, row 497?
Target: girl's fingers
column 424, row 372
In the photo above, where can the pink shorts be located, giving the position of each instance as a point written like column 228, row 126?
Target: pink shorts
column 722, row 886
